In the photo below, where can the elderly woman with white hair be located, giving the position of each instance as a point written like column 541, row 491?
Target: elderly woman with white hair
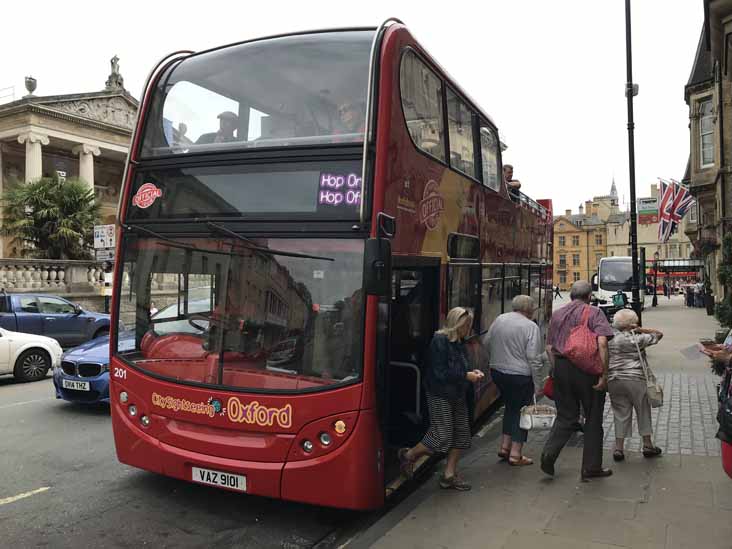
column 514, row 347
column 627, row 382
column 448, row 376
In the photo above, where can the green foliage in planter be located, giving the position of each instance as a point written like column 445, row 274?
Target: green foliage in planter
column 723, row 310
column 50, row 218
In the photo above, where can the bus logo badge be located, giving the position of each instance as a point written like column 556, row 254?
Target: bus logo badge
column 146, row 195
column 431, row 206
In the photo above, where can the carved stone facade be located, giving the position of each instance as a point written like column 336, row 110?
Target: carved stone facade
column 116, row 111
column 84, row 135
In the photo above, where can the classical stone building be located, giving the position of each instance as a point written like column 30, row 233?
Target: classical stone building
column 708, row 93
column 83, row 135
column 580, row 240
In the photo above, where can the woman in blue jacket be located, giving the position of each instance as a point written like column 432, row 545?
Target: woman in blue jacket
column 447, row 379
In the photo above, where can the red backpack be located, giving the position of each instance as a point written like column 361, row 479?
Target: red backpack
column 581, row 348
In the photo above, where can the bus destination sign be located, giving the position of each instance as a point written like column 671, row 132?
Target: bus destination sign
column 339, row 190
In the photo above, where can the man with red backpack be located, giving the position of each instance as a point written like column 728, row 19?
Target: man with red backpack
column 577, row 346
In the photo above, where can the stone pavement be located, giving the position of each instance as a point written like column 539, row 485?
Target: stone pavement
column 682, row 499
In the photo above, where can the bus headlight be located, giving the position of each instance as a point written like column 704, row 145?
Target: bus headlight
column 123, row 397
column 132, row 410
column 307, row 446
column 325, row 439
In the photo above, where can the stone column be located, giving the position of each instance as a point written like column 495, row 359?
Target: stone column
column 33, row 157
column 86, row 162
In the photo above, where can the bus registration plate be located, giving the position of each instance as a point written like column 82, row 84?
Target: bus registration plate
column 219, row 478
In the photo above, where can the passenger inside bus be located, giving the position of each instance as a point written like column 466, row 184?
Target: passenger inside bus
column 228, row 122
column 351, row 118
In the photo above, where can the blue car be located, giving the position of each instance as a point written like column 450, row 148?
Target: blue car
column 83, row 375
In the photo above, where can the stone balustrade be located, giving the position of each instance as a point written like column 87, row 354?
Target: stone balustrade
column 52, row 276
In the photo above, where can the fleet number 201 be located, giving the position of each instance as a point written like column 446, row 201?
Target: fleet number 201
column 120, row 373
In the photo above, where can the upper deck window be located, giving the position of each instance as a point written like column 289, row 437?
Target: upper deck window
column 460, row 125
column 294, row 90
column 421, row 92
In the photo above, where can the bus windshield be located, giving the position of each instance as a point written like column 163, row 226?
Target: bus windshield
column 616, row 275
column 229, row 313
column 294, row 90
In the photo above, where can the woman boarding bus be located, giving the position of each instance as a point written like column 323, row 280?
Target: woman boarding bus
column 308, row 260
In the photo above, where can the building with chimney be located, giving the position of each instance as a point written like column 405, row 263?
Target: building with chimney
column 580, row 240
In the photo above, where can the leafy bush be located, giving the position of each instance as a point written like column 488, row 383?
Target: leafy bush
column 723, row 310
column 50, row 218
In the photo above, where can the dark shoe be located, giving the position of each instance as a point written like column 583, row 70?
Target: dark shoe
column 618, row 455
column 503, row 455
column 405, row 465
column 547, row 465
column 579, row 427
column 600, row 473
column 454, row 483
column 652, row 452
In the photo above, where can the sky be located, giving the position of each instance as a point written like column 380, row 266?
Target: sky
column 550, row 74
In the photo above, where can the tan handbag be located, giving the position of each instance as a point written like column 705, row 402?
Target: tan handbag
column 653, row 388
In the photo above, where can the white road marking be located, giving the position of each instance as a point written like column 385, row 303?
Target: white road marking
column 24, row 495
column 25, row 402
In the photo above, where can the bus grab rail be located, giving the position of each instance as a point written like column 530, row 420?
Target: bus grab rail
column 418, row 389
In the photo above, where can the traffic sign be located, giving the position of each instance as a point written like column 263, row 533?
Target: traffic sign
column 104, row 255
column 104, row 236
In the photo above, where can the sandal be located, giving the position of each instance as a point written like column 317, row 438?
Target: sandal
column 618, row 455
column 520, row 462
column 652, row 452
column 406, row 466
column 455, row 483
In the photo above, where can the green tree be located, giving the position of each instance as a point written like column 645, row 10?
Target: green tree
column 50, row 218
column 723, row 310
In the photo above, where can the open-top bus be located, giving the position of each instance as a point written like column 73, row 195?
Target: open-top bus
column 302, row 210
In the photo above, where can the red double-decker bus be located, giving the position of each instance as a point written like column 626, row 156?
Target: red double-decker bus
column 299, row 213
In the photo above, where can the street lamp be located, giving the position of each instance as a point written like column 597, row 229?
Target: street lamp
column 655, row 279
column 631, row 90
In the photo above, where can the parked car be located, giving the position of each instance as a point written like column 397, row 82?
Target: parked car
column 27, row 356
column 51, row 316
column 83, row 372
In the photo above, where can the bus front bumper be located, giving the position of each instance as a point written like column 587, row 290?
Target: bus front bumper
column 349, row 477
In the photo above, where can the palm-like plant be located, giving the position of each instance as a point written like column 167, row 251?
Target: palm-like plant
column 50, row 218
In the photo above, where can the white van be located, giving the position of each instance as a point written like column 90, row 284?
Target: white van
column 616, row 273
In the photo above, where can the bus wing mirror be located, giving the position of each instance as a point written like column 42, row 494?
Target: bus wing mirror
column 377, row 267
column 594, row 286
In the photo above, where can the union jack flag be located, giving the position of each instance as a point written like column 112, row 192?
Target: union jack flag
column 666, row 194
column 675, row 202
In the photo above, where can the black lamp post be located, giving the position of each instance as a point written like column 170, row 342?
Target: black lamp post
column 655, row 279
column 631, row 90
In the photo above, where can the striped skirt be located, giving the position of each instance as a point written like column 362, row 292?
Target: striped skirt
column 449, row 425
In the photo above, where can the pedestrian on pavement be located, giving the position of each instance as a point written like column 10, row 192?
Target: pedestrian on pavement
column 447, row 379
column 514, row 347
column 627, row 382
column 574, row 387
column 556, row 292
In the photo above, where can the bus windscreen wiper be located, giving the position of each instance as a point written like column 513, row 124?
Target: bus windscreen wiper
column 251, row 245
column 256, row 247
